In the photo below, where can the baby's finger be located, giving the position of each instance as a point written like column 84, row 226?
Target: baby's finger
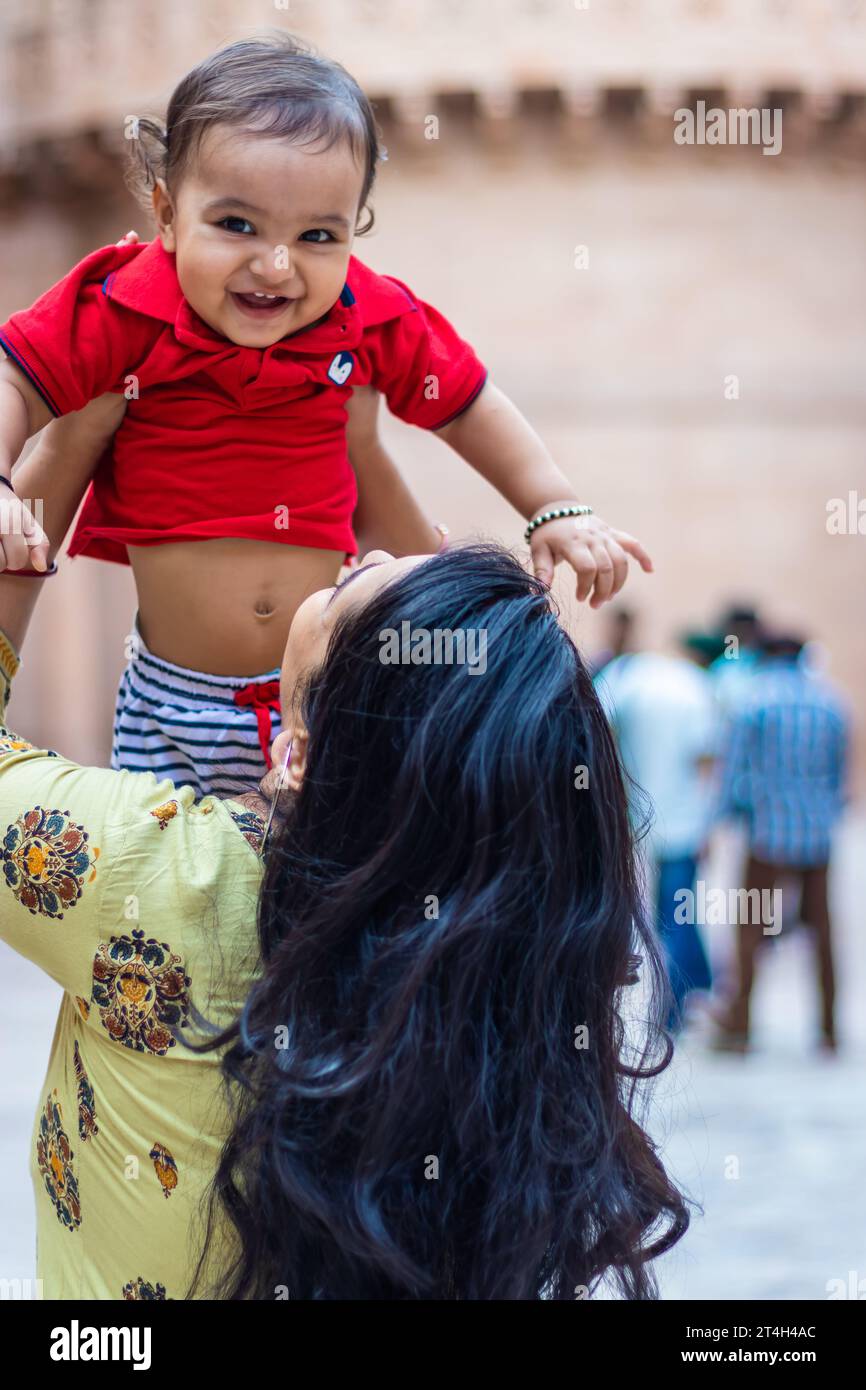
column 634, row 548
column 543, row 562
column 619, row 561
column 583, row 562
column 130, row 239
column 604, row 574
column 620, row 566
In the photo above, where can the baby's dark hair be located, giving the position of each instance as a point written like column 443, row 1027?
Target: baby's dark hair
column 273, row 84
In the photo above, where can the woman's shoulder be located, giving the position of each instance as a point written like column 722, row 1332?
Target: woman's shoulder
column 206, row 837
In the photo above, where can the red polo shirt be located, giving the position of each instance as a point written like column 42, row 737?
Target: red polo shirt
column 222, row 440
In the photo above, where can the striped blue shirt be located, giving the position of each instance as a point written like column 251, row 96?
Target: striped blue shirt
column 784, row 764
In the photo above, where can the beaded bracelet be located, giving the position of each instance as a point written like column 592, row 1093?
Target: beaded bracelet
column 554, row 515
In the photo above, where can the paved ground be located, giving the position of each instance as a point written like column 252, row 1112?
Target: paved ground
column 791, row 1123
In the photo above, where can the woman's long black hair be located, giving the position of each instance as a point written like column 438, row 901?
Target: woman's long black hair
column 434, row 1086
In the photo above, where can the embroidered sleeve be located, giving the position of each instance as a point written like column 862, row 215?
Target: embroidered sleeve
column 109, row 878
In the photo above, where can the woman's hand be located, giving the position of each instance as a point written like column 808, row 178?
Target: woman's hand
column 23, row 543
column 596, row 552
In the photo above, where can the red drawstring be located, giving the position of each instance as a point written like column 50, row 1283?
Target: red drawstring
column 262, row 696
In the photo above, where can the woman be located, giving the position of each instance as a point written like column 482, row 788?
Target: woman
column 432, row 1098
column 428, row 1094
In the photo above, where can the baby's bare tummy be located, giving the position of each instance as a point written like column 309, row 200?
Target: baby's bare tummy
column 225, row 606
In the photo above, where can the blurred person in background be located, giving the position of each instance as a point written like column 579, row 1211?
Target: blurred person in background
column 739, row 635
column 784, row 771
column 664, row 716
column 704, row 648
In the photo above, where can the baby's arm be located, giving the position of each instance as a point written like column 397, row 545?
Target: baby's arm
column 387, row 516
column 500, row 444
column 23, row 543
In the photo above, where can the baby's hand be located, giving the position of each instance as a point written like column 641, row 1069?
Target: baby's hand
column 597, row 554
column 23, row 543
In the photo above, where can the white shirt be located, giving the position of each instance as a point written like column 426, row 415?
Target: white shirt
column 665, row 717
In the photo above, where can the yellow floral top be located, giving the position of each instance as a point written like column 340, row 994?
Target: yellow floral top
column 141, row 903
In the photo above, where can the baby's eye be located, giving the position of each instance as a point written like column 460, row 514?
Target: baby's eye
column 317, row 234
column 235, row 224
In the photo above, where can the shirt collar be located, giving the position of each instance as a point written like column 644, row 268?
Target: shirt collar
column 147, row 283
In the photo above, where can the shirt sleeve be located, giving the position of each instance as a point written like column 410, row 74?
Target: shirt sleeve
column 73, row 344
column 428, row 374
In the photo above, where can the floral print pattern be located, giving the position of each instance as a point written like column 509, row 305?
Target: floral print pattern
column 11, row 743
column 141, row 990
column 139, row 1290
column 87, row 1125
column 54, row 1156
column 251, row 826
column 166, row 1168
column 47, row 859
column 165, row 813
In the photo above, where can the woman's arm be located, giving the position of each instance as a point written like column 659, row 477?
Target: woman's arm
column 387, row 516
column 56, row 473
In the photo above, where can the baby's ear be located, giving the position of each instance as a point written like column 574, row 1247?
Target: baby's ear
column 163, row 211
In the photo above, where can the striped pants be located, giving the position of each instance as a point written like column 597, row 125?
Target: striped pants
column 210, row 732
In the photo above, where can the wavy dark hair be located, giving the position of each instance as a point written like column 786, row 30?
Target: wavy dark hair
column 274, row 84
column 434, row 1083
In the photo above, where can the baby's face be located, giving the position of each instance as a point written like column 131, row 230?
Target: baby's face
column 256, row 216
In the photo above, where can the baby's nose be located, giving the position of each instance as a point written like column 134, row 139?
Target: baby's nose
column 273, row 267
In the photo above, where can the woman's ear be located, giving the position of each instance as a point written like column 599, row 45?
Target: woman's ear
column 296, row 738
column 298, row 761
column 163, row 211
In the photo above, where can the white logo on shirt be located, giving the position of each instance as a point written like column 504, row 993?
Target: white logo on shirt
column 341, row 368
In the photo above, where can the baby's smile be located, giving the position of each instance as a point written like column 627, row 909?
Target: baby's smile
column 259, row 305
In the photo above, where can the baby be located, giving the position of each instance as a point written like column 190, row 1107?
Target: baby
column 237, row 336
